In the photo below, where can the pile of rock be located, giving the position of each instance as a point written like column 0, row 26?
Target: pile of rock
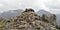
column 28, row 20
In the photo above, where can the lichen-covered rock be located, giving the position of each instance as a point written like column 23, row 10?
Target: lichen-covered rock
column 28, row 20
column 49, row 19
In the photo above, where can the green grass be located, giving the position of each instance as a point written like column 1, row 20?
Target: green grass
column 3, row 23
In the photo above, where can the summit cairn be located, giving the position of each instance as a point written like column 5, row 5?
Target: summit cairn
column 29, row 20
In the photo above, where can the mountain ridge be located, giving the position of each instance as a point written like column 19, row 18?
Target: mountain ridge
column 10, row 13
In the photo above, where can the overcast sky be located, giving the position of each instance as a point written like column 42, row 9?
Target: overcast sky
column 49, row 5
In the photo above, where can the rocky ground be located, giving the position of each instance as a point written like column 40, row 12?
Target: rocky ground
column 29, row 20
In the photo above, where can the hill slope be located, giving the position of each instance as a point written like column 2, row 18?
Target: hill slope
column 29, row 20
column 42, row 11
column 10, row 13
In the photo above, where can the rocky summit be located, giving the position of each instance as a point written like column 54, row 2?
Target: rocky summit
column 29, row 20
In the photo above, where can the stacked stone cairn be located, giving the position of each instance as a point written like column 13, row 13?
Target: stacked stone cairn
column 29, row 20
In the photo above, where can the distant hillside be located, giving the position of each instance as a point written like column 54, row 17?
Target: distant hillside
column 10, row 13
column 42, row 11
column 58, row 18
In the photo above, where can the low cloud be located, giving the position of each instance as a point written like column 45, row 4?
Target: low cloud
column 49, row 5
